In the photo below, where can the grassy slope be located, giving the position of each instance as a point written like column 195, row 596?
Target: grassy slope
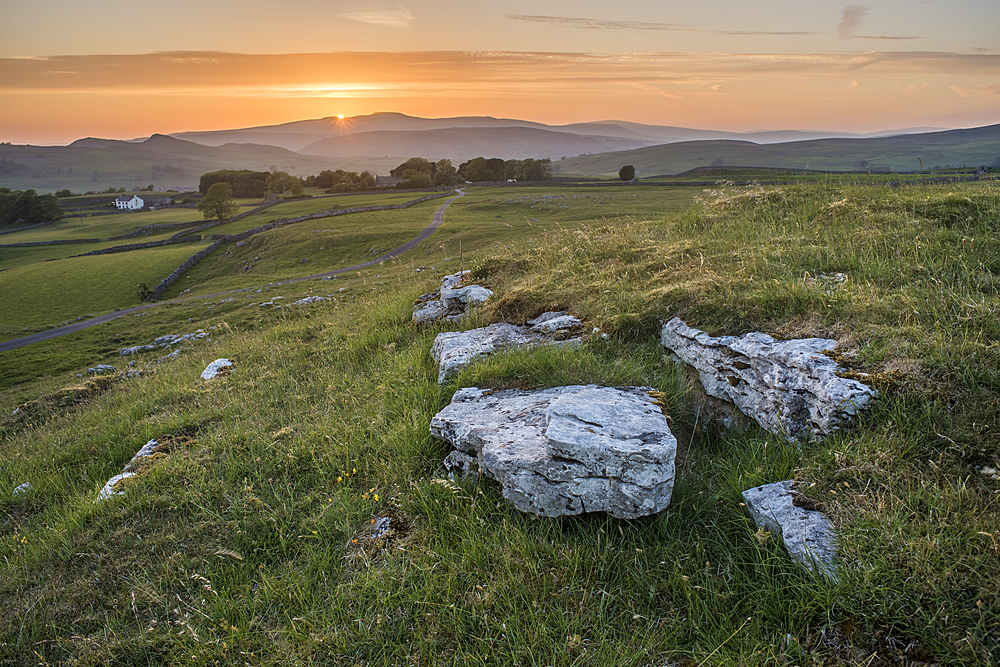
column 956, row 147
column 44, row 294
column 239, row 544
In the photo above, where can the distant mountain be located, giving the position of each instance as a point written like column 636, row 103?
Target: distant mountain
column 298, row 135
column 461, row 144
column 907, row 152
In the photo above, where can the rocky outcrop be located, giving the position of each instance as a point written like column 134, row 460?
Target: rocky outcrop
column 566, row 450
column 806, row 534
column 454, row 350
column 788, row 387
column 164, row 341
column 451, row 301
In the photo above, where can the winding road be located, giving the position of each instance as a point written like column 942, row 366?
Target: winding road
column 86, row 324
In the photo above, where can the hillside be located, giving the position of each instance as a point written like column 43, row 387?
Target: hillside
column 251, row 534
column 166, row 162
column 461, row 144
column 972, row 147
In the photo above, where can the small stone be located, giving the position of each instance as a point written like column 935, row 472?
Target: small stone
column 22, row 488
column 215, row 368
column 101, row 368
column 807, row 535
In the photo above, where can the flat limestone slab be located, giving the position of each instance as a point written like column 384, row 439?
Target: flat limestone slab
column 808, row 536
column 567, row 450
column 788, row 387
column 454, row 350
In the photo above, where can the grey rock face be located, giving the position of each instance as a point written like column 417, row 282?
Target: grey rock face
column 451, row 301
column 566, row 450
column 454, row 350
column 807, row 535
column 788, row 387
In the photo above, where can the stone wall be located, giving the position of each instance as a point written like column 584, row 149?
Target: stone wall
column 41, row 243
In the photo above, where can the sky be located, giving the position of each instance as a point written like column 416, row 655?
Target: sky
column 121, row 70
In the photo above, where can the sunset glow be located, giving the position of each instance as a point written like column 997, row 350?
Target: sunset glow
column 849, row 68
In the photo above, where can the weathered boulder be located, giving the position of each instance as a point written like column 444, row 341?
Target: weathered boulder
column 566, row 450
column 454, row 350
column 788, row 387
column 451, row 301
column 808, row 536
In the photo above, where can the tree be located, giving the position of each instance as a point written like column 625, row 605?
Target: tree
column 219, row 202
column 626, row 173
column 282, row 182
column 417, row 164
column 445, row 173
column 27, row 208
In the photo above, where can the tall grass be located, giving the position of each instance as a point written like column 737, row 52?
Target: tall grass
column 249, row 541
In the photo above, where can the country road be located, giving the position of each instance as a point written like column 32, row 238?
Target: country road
column 86, row 324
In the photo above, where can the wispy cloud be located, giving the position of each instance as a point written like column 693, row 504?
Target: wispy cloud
column 853, row 85
column 850, row 22
column 420, row 73
column 599, row 24
column 390, row 16
column 914, row 88
column 992, row 90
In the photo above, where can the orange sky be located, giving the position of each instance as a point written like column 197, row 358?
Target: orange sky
column 777, row 65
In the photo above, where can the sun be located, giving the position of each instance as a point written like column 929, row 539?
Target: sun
column 341, row 116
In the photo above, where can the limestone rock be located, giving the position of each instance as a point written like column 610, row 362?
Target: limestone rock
column 215, row 368
column 807, row 535
column 109, row 490
column 454, row 350
column 130, row 470
column 566, row 450
column 788, row 387
column 310, row 299
column 451, row 301
column 101, row 368
column 22, row 488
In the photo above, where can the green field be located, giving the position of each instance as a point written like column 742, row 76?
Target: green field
column 44, row 294
column 246, row 540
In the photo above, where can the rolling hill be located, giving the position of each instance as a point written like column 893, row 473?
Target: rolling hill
column 975, row 146
column 461, row 144
column 97, row 164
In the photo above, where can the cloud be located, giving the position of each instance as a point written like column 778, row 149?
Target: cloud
column 475, row 73
column 992, row 90
column 853, row 85
column 914, row 88
column 851, row 19
column 390, row 16
column 717, row 87
column 598, row 24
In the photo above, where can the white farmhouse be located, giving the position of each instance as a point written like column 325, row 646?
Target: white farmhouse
column 131, row 203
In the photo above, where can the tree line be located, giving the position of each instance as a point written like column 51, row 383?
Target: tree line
column 26, row 207
column 418, row 172
column 249, row 184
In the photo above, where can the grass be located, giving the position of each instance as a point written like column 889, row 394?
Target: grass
column 247, row 542
column 40, row 295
